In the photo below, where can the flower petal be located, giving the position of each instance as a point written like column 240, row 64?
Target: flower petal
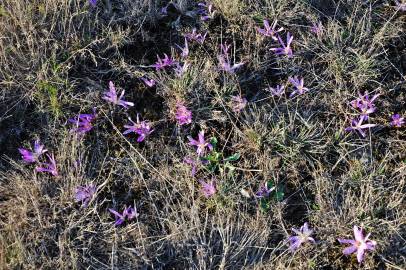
column 349, row 250
column 358, row 234
column 360, row 255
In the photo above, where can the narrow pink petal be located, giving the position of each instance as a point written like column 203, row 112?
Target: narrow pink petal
column 346, row 241
column 358, row 234
column 360, row 255
column 371, row 245
column 349, row 250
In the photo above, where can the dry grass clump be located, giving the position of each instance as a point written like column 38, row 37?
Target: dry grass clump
column 56, row 60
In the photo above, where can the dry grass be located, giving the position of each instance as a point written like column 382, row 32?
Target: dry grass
column 56, row 58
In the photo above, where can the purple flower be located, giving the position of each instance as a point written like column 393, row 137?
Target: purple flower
column 208, row 188
column 84, row 194
column 401, row 6
column 238, row 103
column 206, row 11
column 397, row 121
column 278, row 91
column 83, row 122
column 183, row 115
column 359, row 245
column 185, row 50
column 317, row 28
column 111, row 96
column 270, row 31
column 192, row 162
column 299, row 86
column 285, row 49
column 93, row 3
column 364, row 103
column 264, row 191
column 143, row 128
column 356, row 125
column 200, row 143
column 164, row 10
column 148, row 82
column 303, row 236
column 194, row 36
column 163, row 63
column 31, row 157
column 49, row 167
column 181, row 69
column 224, row 60
column 128, row 214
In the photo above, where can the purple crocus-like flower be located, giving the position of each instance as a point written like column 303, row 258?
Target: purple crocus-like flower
column 364, row 103
column 299, row 86
column 224, row 60
column 278, row 91
column 357, row 125
column 183, row 115
column 206, row 11
column 200, row 143
column 111, row 96
column 83, row 122
column 163, row 63
column 285, row 49
column 208, row 188
column 148, row 82
column 302, row 236
column 195, row 36
column 238, row 103
column 142, row 128
column 401, row 6
column 129, row 213
column 85, row 194
column 359, row 245
column 32, row 156
column 181, row 69
column 49, row 167
column 397, row 121
column 317, row 28
column 93, row 3
column 264, row 191
column 192, row 162
column 270, row 31
column 185, row 50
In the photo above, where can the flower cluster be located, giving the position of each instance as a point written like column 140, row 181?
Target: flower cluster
column 365, row 106
column 163, row 63
column 142, row 128
column 359, row 245
column 224, row 60
column 195, row 36
column 205, row 10
column 183, row 115
column 83, row 122
column 185, row 49
column 128, row 213
column 148, row 82
column 200, row 143
column 34, row 157
column 270, row 31
column 397, row 121
column 111, row 96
